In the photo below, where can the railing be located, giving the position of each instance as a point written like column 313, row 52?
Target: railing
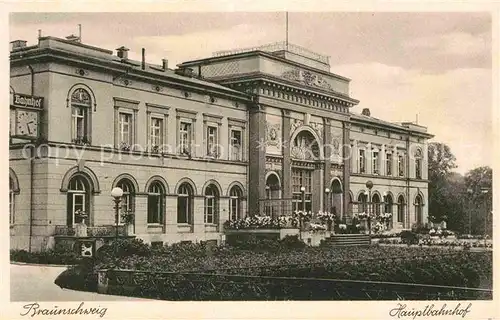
column 220, row 287
column 98, row 231
column 278, row 46
column 275, row 207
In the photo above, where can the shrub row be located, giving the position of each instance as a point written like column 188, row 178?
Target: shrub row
column 468, row 269
column 45, row 257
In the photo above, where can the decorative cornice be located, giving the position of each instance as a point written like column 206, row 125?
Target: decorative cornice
column 114, row 67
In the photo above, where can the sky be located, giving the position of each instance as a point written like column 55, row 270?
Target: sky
column 434, row 66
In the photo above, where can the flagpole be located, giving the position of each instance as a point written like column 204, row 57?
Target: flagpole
column 286, row 43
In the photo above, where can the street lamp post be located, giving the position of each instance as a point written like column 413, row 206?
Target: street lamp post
column 385, row 209
column 369, row 185
column 327, row 192
column 117, row 194
column 485, row 191
column 303, row 191
column 470, row 192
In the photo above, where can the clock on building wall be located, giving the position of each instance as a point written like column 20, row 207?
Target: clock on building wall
column 27, row 123
column 25, row 116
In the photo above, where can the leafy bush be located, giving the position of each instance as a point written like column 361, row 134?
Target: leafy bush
column 122, row 248
column 80, row 277
column 420, row 228
column 409, row 237
column 292, row 242
column 62, row 257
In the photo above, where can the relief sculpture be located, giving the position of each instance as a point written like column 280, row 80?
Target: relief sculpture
column 273, row 134
column 306, row 77
column 295, row 123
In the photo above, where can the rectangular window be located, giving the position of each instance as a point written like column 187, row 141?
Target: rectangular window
column 209, row 209
column 301, row 200
column 234, row 208
column 401, row 165
column 156, row 133
column 183, row 209
column 375, row 164
column 212, row 141
column 388, row 163
column 78, row 204
column 154, row 208
column 362, row 161
column 78, row 124
column 125, row 127
column 236, row 151
column 185, row 138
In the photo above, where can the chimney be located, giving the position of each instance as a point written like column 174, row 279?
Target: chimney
column 17, row 44
column 143, row 64
column 366, row 112
column 122, row 53
column 164, row 63
column 187, row 72
column 73, row 38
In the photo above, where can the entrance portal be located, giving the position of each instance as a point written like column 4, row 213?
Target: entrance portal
column 336, row 198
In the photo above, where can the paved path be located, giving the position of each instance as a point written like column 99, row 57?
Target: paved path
column 35, row 283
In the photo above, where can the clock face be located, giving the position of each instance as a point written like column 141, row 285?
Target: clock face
column 27, row 123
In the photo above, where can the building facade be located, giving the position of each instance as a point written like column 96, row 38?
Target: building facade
column 262, row 131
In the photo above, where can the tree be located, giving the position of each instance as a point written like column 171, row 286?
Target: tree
column 478, row 183
column 441, row 160
column 445, row 187
column 466, row 201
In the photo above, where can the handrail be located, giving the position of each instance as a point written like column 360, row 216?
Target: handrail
column 278, row 46
column 362, row 282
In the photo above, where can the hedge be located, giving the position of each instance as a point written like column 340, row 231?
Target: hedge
column 45, row 257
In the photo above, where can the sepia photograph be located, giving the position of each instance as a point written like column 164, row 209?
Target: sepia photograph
column 251, row 156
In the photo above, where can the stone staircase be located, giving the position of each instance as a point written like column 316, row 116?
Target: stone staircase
column 346, row 240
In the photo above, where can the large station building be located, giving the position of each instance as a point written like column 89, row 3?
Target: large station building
column 265, row 130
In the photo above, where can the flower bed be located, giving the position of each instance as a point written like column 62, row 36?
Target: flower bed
column 281, row 222
column 472, row 236
column 442, row 243
column 290, row 258
column 261, row 222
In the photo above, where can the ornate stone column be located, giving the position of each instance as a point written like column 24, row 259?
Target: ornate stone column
column 346, row 155
column 287, row 162
column 327, row 150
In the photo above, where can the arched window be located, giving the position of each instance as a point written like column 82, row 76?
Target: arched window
column 81, row 104
column 156, row 195
column 388, row 203
column 418, row 164
column 362, row 202
column 418, row 209
column 12, row 201
column 78, row 200
column 128, row 198
column 376, row 204
column 401, row 208
column 336, row 197
column 305, row 147
column 273, row 190
column 211, row 204
column 184, row 203
column 235, row 203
